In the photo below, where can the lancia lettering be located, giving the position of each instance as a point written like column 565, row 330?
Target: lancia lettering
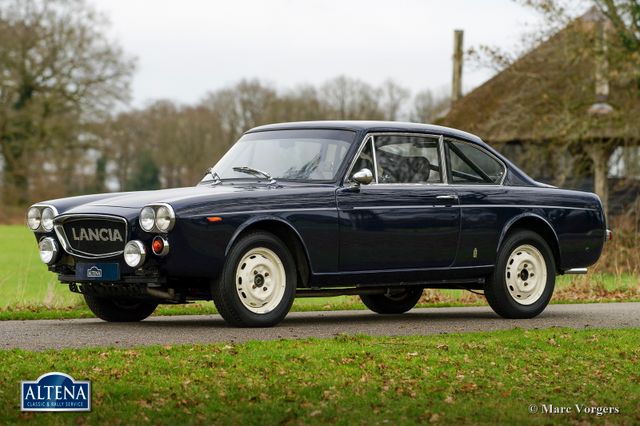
column 95, row 234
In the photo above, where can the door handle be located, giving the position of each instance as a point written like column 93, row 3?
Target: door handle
column 447, row 200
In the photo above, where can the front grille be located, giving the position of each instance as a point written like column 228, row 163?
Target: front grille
column 92, row 236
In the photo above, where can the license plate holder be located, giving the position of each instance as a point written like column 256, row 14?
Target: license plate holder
column 97, row 271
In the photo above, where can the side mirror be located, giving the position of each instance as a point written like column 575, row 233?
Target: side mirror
column 363, row 177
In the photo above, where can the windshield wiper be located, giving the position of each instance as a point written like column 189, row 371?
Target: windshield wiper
column 255, row 172
column 214, row 175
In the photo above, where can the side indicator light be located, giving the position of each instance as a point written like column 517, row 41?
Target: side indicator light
column 214, row 219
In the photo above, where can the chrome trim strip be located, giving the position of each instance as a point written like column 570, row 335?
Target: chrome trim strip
column 427, row 206
column 311, row 209
column 392, row 271
column 444, row 169
column 525, row 206
column 375, row 158
column 424, row 185
column 60, row 220
column 576, row 271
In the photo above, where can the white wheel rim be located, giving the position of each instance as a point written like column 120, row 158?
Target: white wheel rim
column 526, row 274
column 260, row 280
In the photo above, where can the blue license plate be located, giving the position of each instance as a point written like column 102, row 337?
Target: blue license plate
column 98, row 271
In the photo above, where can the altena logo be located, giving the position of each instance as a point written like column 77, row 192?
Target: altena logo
column 96, row 234
column 55, row 392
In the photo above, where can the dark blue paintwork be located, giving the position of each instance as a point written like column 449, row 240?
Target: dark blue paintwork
column 375, row 234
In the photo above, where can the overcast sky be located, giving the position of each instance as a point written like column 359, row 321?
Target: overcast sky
column 188, row 47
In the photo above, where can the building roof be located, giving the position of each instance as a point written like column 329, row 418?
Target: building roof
column 545, row 95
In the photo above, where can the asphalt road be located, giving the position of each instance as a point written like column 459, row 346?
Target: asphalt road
column 57, row 334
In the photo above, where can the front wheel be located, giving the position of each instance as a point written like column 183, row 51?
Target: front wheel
column 119, row 310
column 392, row 303
column 258, row 282
column 524, row 278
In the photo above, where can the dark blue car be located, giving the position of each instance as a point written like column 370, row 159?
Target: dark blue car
column 376, row 209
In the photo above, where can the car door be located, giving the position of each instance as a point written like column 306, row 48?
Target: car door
column 477, row 177
column 407, row 218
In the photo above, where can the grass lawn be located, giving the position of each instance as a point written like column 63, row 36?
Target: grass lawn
column 449, row 379
column 29, row 291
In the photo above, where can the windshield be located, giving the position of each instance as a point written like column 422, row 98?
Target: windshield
column 304, row 155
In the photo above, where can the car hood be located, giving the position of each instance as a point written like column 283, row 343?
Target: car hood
column 140, row 199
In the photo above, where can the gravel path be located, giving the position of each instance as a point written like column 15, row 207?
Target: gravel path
column 57, row 334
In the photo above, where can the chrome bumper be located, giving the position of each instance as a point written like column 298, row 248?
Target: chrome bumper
column 576, row 271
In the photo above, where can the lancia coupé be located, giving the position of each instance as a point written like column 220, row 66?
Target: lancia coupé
column 381, row 210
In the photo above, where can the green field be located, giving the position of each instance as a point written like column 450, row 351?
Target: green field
column 30, row 291
column 479, row 378
column 24, row 279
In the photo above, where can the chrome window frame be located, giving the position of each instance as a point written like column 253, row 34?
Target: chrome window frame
column 483, row 150
column 62, row 236
column 347, row 177
column 371, row 136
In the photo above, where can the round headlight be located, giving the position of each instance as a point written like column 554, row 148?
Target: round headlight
column 33, row 218
column 147, row 218
column 164, row 218
column 47, row 219
column 48, row 250
column 134, row 253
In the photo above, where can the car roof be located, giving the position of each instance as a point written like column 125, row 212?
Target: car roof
column 369, row 126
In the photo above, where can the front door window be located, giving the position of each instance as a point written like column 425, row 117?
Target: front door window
column 407, row 159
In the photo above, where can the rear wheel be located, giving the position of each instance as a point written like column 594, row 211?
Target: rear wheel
column 258, row 282
column 120, row 310
column 522, row 283
column 392, row 303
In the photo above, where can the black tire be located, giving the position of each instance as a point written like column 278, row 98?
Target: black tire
column 120, row 310
column 225, row 292
column 500, row 298
column 398, row 303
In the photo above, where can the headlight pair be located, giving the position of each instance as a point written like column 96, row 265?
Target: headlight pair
column 41, row 218
column 157, row 218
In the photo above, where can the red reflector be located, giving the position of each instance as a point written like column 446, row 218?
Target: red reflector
column 157, row 246
column 609, row 235
column 214, row 219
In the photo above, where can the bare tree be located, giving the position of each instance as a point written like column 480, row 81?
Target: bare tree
column 58, row 71
column 427, row 106
column 351, row 99
column 394, row 99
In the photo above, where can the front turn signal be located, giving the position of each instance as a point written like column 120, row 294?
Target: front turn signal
column 160, row 246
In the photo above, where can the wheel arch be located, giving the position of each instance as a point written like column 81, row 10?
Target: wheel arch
column 289, row 236
column 537, row 224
